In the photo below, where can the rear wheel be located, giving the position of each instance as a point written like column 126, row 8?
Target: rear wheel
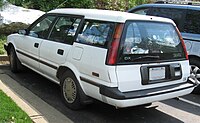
column 195, row 74
column 14, row 61
column 71, row 91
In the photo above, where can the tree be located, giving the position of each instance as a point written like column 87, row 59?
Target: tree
column 46, row 5
column 1, row 3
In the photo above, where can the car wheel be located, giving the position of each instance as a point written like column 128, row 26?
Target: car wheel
column 14, row 61
column 195, row 74
column 71, row 91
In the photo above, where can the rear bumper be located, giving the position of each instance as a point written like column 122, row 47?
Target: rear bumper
column 120, row 99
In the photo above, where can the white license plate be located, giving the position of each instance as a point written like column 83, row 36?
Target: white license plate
column 156, row 73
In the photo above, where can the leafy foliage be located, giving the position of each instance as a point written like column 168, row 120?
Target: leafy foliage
column 2, row 42
column 1, row 3
column 45, row 5
column 6, row 29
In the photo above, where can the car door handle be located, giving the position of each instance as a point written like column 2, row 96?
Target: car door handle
column 36, row 45
column 60, row 51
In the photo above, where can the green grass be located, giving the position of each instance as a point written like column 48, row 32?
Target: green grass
column 2, row 42
column 10, row 112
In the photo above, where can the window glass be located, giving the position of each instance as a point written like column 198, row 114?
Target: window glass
column 176, row 15
column 192, row 23
column 65, row 29
column 95, row 33
column 40, row 30
column 158, row 41
column 142, row 11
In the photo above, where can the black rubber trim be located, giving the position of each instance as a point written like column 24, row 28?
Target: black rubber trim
column 116, row 94
column 90, row 82
column 38, row 60
column 27, row 55
column 191, row 39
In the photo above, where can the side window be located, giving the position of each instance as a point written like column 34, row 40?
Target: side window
column 96, row 33
column 40, row 30
column 192, row 24
column 142, row 11
column 177, row 15
column 65, row 29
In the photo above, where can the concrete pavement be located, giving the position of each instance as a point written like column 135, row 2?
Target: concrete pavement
column 38, row 110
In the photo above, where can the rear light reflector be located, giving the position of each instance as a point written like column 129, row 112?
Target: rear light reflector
column 113, row 50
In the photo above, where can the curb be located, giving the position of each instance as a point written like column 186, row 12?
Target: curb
column 32, row 113
column 36, row 108
column 4, row 58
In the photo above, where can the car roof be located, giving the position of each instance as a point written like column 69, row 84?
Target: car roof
column 108, row 15
column 178, row 6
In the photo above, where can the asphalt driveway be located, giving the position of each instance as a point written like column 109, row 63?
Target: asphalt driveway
column 186, row 109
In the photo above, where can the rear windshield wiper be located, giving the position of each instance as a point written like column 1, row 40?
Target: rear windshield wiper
column 145, row 57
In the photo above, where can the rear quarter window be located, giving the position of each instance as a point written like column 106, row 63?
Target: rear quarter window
column 143, row 11
column 192, row 23
column 177, row 15
column 96, row 33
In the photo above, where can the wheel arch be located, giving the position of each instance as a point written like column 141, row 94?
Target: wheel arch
column 194, row 57
column 9, row 47
column 68, row 67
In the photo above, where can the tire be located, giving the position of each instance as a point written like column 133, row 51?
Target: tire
column 71, row 92
column 14, row 61
column 195, row 64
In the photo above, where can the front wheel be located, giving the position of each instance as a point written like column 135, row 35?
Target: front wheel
column 14, row 61
column 195, row 74
column 71, row 91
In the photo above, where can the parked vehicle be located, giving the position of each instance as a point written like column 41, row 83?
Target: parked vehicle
column 119, row 58
column 187, row 19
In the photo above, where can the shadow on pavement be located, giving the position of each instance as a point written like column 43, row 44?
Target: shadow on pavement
column 192, row 101
column 97, row 112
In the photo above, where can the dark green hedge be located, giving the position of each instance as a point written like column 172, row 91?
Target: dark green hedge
column 6, row 29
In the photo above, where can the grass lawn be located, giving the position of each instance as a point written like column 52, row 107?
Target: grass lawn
column 2, row 41
column 10, row 112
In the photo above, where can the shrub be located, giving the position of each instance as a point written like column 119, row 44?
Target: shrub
column 6, row 29
column 2, row 41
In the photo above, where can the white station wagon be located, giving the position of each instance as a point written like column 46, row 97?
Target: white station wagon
column 119, row 58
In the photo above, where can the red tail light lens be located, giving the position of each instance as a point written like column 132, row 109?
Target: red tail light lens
column 183, row 44
column 112, row 54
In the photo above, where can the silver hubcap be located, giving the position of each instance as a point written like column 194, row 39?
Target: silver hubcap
column 69, row 90
column 195, row 74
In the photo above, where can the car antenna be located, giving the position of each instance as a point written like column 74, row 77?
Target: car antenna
column 61, row 4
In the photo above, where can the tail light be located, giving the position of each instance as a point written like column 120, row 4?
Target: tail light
column 113, row 50
column 182, row 42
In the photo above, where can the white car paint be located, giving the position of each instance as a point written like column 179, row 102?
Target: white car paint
column 89, row 62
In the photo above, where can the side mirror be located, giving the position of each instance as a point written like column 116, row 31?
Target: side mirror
column 22, row 32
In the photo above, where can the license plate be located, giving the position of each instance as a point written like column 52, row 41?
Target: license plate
column 156, row 73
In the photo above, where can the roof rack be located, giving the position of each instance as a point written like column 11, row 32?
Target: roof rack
column 178, row 2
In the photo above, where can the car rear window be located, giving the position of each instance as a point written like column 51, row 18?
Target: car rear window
column 150, row 41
